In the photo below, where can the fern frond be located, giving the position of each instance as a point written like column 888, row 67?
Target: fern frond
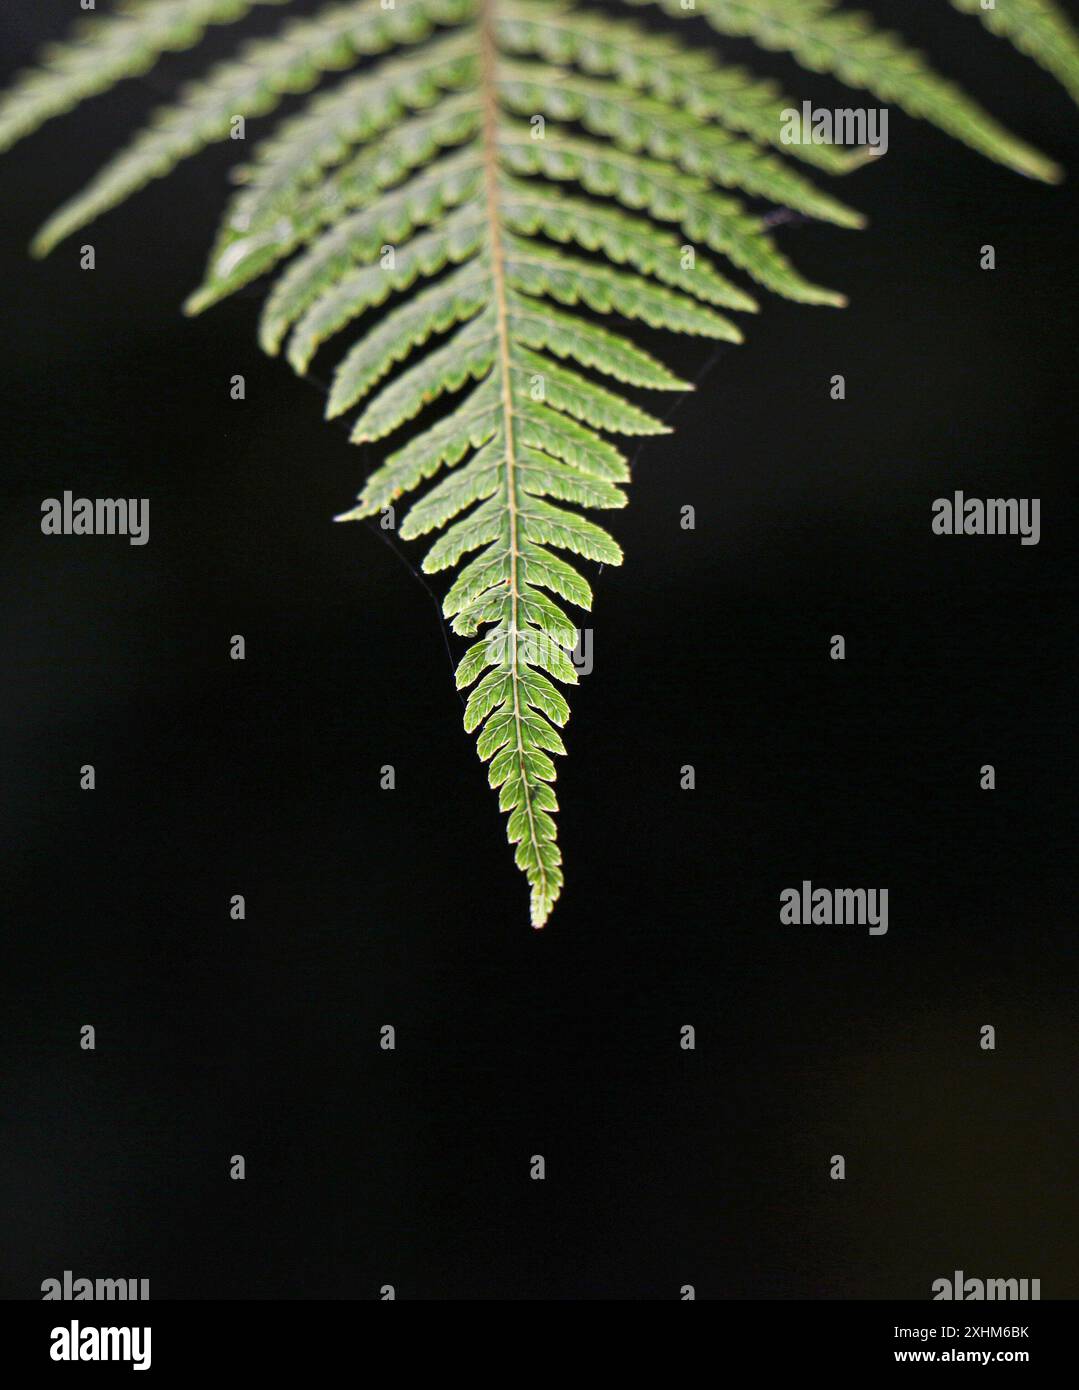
column 450, row 301
column 825, row 38
column 469, row 354
column 98, row 56
column 397, row 213
column 638, row 124
column 489, row 198
column 461, row 234
column 1038, row 28
column 626, row 240
column 537, row 325
column 652, row 63
column 335, row 123
column 252, row 85
column 721, row 223
column 469, row 425
column 540, row 270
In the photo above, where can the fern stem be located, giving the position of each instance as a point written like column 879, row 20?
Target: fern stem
column 488, row 84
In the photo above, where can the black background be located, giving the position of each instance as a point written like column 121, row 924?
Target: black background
column 711, row 647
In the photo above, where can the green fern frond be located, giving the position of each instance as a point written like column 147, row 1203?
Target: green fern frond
column 488, row 197
column 626, row 240
column 100, row 55
column 639, row 124
column 651, row 63
column 400, row 209
column 668, row 195
column 1038, row 28
column 826, row 38
column 252, row 85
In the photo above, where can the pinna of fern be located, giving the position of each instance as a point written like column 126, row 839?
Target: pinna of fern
column 477, row 185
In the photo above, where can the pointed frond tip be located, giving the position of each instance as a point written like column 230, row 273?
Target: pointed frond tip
column 493, row 209
column 1038, row 28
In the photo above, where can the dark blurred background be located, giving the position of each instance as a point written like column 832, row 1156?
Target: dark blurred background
column 365, row 907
